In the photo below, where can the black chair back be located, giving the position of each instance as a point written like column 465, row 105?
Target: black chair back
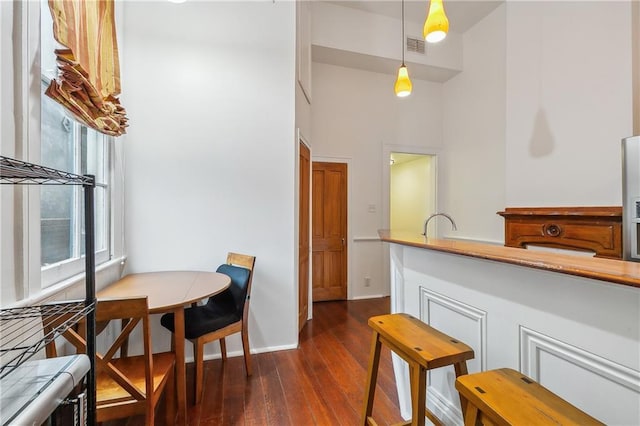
column 238, row 288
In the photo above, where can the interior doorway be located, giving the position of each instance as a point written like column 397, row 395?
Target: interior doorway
column 329, row 231
column 412, row 190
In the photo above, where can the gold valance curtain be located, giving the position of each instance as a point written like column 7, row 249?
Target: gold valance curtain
column 88, row 78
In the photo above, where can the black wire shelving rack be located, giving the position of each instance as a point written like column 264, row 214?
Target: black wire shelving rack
column 21, row 328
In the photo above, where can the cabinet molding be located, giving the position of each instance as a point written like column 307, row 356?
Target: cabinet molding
column 595, row 229
column 474, row 319
column 533, row 344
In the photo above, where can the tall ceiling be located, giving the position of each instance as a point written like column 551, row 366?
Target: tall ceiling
column 462, row 14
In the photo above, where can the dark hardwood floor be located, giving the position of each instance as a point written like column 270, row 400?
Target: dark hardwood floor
column 320, row 383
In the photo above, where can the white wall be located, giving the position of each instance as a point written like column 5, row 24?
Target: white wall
column 303, row 122
column 471, row 179
column 635, row 42
column 534, row 119
column 303, row 62
column 209, row 88
column 536, row 116
column 354, row 30
column 354, row 114
column 569, row 102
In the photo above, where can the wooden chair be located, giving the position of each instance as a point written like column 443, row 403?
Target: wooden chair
column 224, row 314
column 128, row 385
column 507, row 397
column 423, row 348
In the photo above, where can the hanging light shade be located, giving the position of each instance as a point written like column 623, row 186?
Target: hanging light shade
column 403, row 83
column 437, row 24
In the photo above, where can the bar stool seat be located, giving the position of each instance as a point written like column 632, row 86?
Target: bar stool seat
column 423, row 348
column 507, row 397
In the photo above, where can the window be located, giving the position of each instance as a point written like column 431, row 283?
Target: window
column 42, row 225
column 67, row 145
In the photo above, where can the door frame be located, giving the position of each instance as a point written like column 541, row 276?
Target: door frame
column 302, row 140
column 349, row 162
column 387, row 149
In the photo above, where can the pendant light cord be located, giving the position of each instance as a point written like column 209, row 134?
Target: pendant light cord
column 403, row 33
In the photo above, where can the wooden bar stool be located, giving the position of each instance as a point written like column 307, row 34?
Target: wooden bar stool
column 423, row 348
column 506, row 397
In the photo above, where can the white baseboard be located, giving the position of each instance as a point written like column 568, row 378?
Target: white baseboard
column 370, row 296
column 254, row 351
column 443, row 408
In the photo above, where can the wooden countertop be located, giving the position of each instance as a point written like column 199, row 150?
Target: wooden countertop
column 614, row 271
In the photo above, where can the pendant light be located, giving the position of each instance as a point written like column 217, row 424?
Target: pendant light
column 403, row 83
column 437, row 24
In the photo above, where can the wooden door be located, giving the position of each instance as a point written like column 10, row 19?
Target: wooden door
column 329, row 230
column 303, row 236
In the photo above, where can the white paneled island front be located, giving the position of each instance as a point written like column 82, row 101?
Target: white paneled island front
column 569, row 322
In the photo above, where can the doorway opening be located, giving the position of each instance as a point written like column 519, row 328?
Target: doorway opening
column 329, row 231
column 412, row 190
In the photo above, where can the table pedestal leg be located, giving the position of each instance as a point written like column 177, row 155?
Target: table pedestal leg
column 181, row 371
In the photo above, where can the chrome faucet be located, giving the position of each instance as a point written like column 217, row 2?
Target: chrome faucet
column 453, row 223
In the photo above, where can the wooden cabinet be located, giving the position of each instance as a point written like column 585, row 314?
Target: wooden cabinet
column 595, row 229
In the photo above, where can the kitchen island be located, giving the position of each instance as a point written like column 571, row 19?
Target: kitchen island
column 570, row 322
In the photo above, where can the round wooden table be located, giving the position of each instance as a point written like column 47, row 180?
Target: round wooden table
column 170, row 291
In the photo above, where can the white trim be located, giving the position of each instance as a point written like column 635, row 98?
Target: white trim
column 117, row 173
column 296, row 222
column 324, row 159
column 532, row 343
column 447, row 412
column 62, row 286
column 240, row 353
column 60, row 271
column 387, row 149
column 438, row 403
column 301, row 139
column 370, row 296
column 366, row 239
column 29, row 141
column 396, row 284
column 397, row 290
column 463, row 309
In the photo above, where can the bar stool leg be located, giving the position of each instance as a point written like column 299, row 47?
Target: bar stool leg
column 461, row 370
column 372, row 377
column 418, row 379
column 470, row 415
